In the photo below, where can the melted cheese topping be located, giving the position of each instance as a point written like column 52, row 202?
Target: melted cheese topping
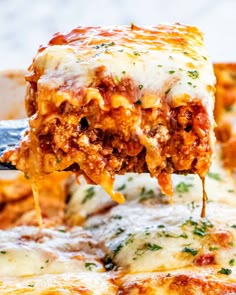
column 31, row 251
column 163, row 237
column 163, row 58
column 60, row 284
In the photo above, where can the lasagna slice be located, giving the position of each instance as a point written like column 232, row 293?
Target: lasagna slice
column 110, row 100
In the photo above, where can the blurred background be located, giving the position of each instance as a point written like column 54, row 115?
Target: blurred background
column 25, row 24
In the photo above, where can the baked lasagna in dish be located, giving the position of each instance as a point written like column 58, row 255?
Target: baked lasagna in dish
column 109, row 100
column 90, row 245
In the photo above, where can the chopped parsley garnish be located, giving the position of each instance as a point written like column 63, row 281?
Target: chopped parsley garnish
column 190, row 83
column 167, row 91
column 152, row 247
column 138, row 101
column 137, row 53
column 31, row 285
column 123, row 72
column 117, row 249
column 215, row 176
column 130, row 178
column 183, row 187
column 140, row 86
column 190, row 250
column 200, row 229
column 125, row 242
column 46, row 261
column 225, row 271
column 117, row 79
column 119, row 231
column 122, row 187
column 89, row 265
column 193, row 74
column 230, row 191
column 90, row 193
column 161, row 226
column 213, row 248
column 233, row 226
column 160, row 66
column 231, row 262
column 171, row 72
column 116, row 217
column 62, row 230
column 3, row 252
column 146, row 194
column 105, row 45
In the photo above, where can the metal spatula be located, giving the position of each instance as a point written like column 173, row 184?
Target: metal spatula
column 10, row 134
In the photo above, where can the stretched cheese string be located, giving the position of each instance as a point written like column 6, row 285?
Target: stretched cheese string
column 204, row 197
column 35, row 183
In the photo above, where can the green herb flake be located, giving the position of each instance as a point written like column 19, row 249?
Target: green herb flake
column 161, row 226
column 130, row 178
column 3, row 252
column 199, row 231
column 230, row 191
column 152, row 247
column 138, row 102
column 119, row 231
column 123, row 72
column 46, row 261
column 193, row 74
column 117, row 79
column 160, row 66
column 215, row 176
column 190, row 251
column 140, row 86
column 146, row 194
column 213, row 248
column 116, row 217
column 183, row 187
column 31, row 285
column 167, row 91
column 171, row 72
column 89, row 194
column 225, row 271
column 190, row 83
column 233, row 226
column 89, row 265
column 231, row 262
column 62, row 230
column 137, row 53
column 122, row 187
column 183, row 235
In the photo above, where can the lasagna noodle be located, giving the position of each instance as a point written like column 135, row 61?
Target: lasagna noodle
column 110, row 100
